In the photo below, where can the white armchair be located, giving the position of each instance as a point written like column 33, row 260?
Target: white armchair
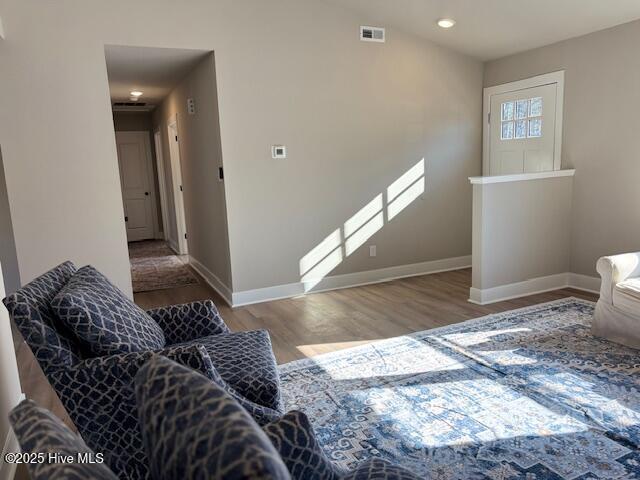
column 617, row 315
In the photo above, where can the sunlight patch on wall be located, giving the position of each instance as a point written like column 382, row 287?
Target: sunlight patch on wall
column 365, row 223
column 356, row 240
column 320, row 251
column 326, row 256
column 405, row 190
column 363, row 216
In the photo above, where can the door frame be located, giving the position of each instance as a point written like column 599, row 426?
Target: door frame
column 150, row 175
column 162, row 185
column 537, row 81
column 176, row 183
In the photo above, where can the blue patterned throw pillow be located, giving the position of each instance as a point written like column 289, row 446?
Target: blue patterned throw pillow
column 295, row 441
column 55, row 450
column 193, row 429
column 103, row 318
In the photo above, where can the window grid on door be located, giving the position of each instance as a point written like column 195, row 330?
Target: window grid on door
column 520, row 119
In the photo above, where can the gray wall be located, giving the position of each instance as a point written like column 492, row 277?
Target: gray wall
column 8, row 256
column 521, row 230
column 354, row 115
column 201, row 155
column 132, row 122
column 601, row 140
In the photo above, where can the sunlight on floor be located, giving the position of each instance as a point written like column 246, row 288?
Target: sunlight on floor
column 476, row 338
column 320, row 348
column 430, row 359
column 502, row 412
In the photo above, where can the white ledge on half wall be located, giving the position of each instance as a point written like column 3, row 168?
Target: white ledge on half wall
column 519, row 177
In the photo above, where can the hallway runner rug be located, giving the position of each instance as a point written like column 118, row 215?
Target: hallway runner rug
column 525, row 394
column 154, row 266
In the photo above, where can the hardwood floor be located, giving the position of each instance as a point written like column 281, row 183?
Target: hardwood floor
column 323, row 322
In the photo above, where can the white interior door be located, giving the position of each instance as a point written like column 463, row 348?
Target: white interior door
column 178, row 190
column 522, row 125
column 134, row 160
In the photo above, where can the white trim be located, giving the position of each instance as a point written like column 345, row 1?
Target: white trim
column 8, row 470
column 177, row 181
column 537, row 81
column 532, row 287
column 162, row 185
column 212, row 280
column 521, row 177
column 2, row 33
column 349, row 280
column 585, row 283
column 173, row 246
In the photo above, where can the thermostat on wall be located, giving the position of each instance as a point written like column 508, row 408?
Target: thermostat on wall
column 278, row 151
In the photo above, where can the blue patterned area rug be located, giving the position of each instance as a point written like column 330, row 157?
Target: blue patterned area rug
column 526, row 394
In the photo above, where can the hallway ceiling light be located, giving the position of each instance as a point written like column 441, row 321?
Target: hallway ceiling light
column 136, row 93
column 446, row 22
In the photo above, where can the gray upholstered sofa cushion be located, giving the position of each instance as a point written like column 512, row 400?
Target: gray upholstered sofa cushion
column 192, row 428
column 30, row 310
column 41, row 433
column 102, row 318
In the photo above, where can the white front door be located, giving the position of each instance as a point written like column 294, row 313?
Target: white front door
column 134, row 159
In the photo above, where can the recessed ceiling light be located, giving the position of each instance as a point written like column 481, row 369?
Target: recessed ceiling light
column 446, row 22
column 136, row 93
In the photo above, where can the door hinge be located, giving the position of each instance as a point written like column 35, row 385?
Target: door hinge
column 220, row 173
column 181, row 188
column 489, row 117
column 185, row 236
column 126, row 219
column 176, row 138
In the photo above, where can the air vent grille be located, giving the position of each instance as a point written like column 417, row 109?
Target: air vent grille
column 372, row 34
column 129, row 104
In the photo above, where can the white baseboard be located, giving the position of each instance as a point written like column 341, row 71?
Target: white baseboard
column 349, row 280
column 212, row 280
column 534, row 286
column 584, row 282
column 173, row 246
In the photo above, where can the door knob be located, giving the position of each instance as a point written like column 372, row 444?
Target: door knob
column 146, row 193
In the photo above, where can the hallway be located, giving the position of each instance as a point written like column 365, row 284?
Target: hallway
column 154, row 266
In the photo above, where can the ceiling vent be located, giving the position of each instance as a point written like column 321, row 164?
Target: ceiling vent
column 132, row 107
column 372, row 34
column 129, row 104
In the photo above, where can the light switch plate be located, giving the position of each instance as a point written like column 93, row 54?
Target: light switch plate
column 278, row 151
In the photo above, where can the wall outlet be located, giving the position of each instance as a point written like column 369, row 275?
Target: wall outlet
column 373, row 251
column 278, row 151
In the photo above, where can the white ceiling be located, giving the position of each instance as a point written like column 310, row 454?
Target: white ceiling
column 489, row 29
column 154, row 71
